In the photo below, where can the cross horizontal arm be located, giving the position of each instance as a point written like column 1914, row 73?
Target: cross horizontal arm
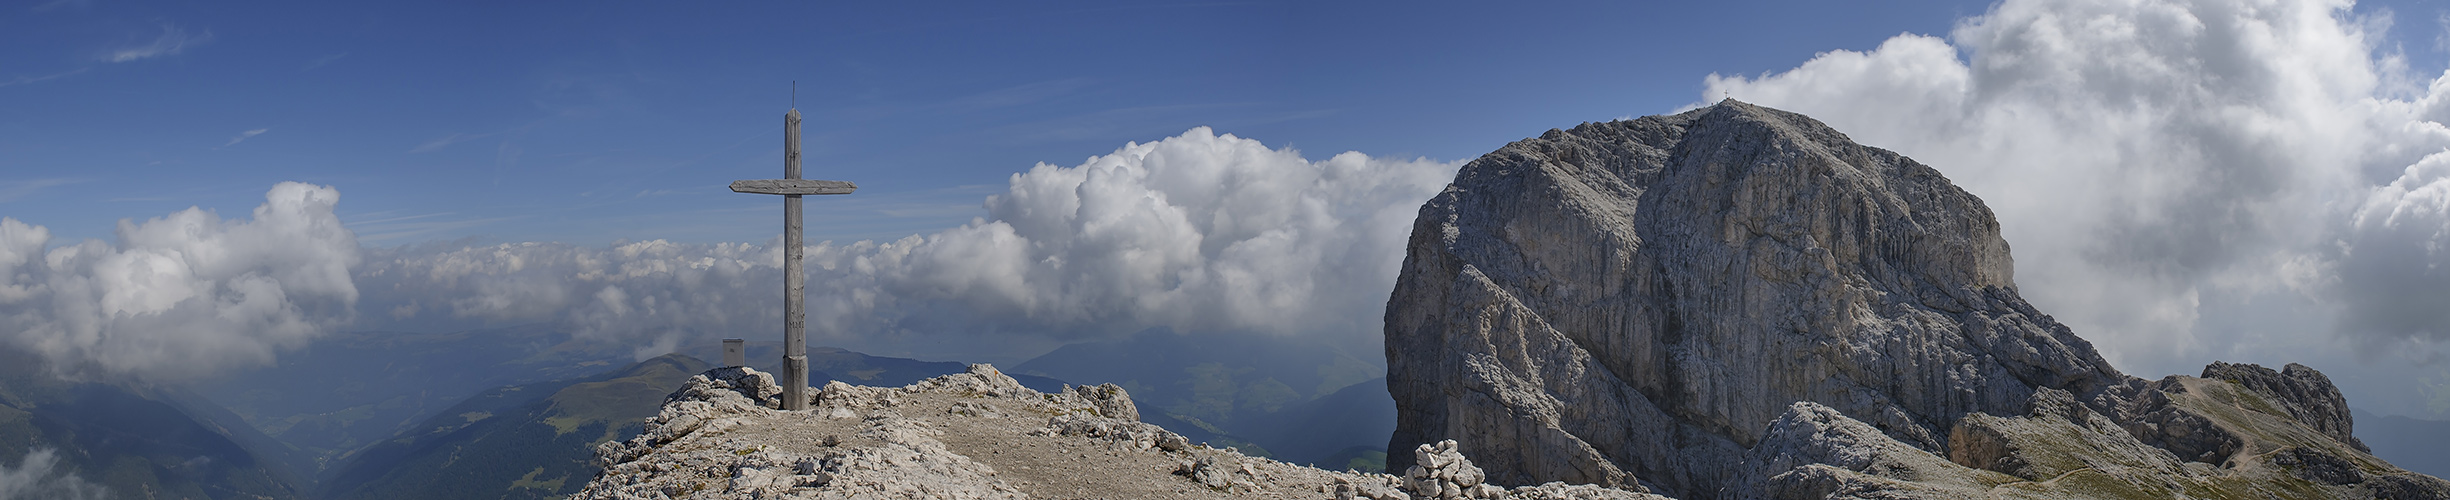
column 793, row 186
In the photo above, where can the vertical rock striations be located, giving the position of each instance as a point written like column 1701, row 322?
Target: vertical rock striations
column 1646, row 296
column 1739, row 302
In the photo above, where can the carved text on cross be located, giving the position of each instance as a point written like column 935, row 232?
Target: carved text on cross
column 795, row 320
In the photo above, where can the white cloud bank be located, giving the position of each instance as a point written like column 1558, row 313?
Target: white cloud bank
column 1199, row 232
column 183, row 294
column 2182, row 180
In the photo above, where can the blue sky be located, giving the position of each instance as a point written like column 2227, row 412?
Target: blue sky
column 2182, row 180
column 588, row 123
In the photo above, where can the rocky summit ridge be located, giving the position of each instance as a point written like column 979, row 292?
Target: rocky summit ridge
column 977, row 435
column 1741, row 302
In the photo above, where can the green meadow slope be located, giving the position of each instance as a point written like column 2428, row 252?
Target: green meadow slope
column 526, row 441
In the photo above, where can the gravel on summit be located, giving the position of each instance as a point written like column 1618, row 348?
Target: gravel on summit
column 975, row 435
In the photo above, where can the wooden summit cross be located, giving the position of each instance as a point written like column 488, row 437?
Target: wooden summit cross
column 795, row 320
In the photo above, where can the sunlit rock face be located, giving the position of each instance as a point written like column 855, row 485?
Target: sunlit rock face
column 1640, row 300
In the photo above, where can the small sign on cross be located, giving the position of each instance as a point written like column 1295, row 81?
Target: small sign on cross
column 795, row 319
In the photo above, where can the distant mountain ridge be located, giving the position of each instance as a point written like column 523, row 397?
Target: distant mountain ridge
column 526, row 441
column 349, row 390
column 1290, row 398
column 853, row 367
column 2417, row 444
column 130, row 441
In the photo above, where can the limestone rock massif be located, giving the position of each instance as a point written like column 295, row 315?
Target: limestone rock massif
column 1740, row 302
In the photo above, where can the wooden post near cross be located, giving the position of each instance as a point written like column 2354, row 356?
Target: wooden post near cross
column 795, row 318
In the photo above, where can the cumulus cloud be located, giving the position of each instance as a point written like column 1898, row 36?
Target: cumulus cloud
column 1200, row 232
column 33, row 477
column 2182, row 180
column 2390, row 269
column 183, row 294
column 653, row 292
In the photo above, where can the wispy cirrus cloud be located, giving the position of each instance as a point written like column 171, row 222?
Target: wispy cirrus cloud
column 402, row 228
column 22, row 80
column 60, row 4
column 172, row 41
column 243, row 136
column 444, row 142
column 12, row 190
column 1025, row 94
column 321, row 61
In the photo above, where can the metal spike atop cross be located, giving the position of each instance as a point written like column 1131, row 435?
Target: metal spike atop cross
column 795, row 318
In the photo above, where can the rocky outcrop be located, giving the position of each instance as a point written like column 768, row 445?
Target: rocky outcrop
column 1740, row 302
column 975, row 435
column 2058, row 449
column 1646, row 296
column 2305, row 394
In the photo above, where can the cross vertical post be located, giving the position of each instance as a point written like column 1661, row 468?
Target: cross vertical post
column 795, row 319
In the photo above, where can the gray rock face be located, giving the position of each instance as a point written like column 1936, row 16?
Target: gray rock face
column 2306, row 394
column 1814, row 452
column 1643, row 298
column 2156, row 418
column 1738, row 302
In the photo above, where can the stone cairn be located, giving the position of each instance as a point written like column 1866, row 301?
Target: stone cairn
column 1440, row 472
